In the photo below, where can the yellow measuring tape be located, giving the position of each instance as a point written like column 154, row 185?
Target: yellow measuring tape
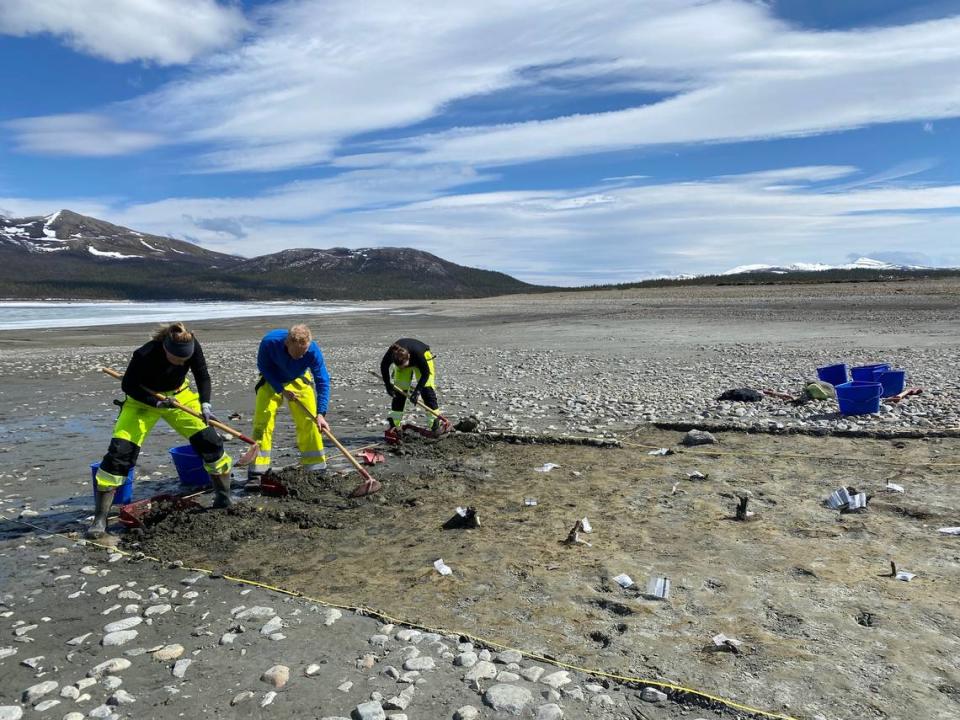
column 362, row 610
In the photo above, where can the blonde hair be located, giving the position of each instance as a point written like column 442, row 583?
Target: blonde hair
column 299, row 335
column 175, row 331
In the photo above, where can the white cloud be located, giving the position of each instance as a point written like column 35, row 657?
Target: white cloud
column 162, row 31
column 79, row 134
column 317, row 76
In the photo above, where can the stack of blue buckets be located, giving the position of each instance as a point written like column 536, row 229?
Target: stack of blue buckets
column 861, row 395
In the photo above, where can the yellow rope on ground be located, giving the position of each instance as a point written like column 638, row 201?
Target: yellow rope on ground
column 362, row 610
column 843, row 458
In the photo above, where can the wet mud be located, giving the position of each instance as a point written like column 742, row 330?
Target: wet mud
column 804, row 588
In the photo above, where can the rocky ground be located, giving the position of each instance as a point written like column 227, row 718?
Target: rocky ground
column 596, row 364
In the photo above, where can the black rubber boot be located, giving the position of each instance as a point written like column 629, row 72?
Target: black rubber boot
column 221, row 488
column 102, row 501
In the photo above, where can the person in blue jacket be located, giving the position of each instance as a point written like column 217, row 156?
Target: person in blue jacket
column 291, row 366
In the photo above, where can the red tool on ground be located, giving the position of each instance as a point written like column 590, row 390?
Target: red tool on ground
column 371, row 457
column 370, row 485
column 133, row 514
column 396, row 437
column 905, row 394
column 245, row 459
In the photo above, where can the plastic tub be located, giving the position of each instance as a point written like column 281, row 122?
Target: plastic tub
column 859, row 398
column 893, row 382
column 868, row 373
column 189, row 466
column 124, row 493
column 833, row 374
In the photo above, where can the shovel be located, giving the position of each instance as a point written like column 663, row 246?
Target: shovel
column 245, row 459
column 370, row 485
column 420, row 403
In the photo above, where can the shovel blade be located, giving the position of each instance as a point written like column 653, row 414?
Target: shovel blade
column 249, row 455
column 367, row 487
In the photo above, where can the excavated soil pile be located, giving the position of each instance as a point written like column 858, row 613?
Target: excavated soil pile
column 803, row 587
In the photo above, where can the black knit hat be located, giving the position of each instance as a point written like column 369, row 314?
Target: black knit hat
column 181, row 350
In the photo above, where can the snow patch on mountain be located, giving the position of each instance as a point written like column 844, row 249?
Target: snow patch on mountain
column 862, row 263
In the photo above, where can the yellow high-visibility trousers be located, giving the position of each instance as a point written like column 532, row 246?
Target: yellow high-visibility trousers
column 309, row 438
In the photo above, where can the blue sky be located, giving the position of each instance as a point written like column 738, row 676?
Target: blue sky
column 563, row 143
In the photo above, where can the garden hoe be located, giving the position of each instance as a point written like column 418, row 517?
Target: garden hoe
column 245, row 459
column 370, row 485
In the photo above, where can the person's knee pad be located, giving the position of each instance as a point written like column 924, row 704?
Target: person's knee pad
column 121, row 456
column 207, row 444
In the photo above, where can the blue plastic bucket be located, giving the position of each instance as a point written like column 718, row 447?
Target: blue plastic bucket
column 859, row 398
column 893, row 382
column 868, row 373
column 833, row 374
column 189, row 466
column 124, row 492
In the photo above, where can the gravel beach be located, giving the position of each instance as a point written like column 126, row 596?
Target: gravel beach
column 600, row 365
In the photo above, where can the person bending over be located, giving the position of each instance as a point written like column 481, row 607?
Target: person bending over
column 291, row 367
column 161, row 366
column 409, row 360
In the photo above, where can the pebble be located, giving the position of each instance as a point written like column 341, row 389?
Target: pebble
column 345, row 686
column 256, row 613
column 466, row 659
column 168, row 652
column 24, row 629
column 509, row 656
column 483, row 670
column 118, row 638
column 467, row 712
column 698, row 437
column 278, row 675
column 532, row 673
column 379, row 640
column 11, row 712
column 83, row 683
column 409, row 635
column 507, row 677
column 268, row 698
column 653, row 695
column 32, row 663
column 331, row 616
column 73, row 716
column 155, row 610
column 557, row 679
column 35, row 692
column 550, row 711
column 8, row 651
column 69, row 692
column 510, row 699
column 121, row 697
column 107, row 589
column 180, row 667
column 369, row 711
column 420, row 664
column 227, row 638
column 78, row 640
column 273, row 625
column 241, row 697
column 125, row 624
column 312, row 669
column 192, row 580
column 101, row 711
column 111, row 683
column 45, row 705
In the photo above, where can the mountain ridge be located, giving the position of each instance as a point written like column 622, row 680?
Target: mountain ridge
column 69, row 255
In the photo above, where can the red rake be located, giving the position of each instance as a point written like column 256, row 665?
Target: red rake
column 905, row 394
column 370, row 485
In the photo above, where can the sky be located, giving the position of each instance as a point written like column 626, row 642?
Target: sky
column 565, row 142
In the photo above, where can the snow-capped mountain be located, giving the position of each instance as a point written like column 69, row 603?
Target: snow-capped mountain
column 858, row 264
column 68, row 255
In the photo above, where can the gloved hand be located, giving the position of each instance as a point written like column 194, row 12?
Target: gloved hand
column 206, row 409
column 165, row 404
column 414, row 396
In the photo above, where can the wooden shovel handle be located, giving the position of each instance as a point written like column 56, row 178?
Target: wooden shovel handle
column 180, row 406
column 333, row 439
column 420, row 403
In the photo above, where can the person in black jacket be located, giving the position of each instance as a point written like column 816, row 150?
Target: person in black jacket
column 162, row 366
column 410, row 360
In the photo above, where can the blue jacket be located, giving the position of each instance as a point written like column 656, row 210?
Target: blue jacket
column 278, row 368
